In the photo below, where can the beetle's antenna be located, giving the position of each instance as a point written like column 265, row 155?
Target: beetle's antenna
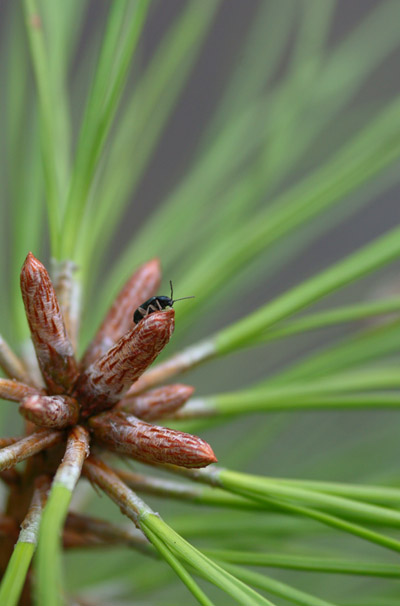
column 182, row 298
column 172, row 295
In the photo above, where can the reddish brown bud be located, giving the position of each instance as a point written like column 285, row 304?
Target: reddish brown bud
column 140, row 287
column 12, row 390
column 108, row 379
column 50, row 411
column 158, row 403
column 53, row 348
column 128, row 435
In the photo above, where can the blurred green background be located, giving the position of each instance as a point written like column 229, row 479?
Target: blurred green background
column 274, row 90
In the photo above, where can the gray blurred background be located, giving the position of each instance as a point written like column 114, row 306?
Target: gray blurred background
column 221, row 54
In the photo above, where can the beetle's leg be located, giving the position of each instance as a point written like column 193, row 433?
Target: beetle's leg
column 142, row 311
column 159, row 306
column 151, row 309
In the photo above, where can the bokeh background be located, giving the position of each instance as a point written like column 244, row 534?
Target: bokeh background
column 305, row 444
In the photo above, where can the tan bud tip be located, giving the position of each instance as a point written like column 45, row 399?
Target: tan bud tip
column 50, row 411
column 162, row 322
column 31, row 266
column 185, row 391
column 204, row 454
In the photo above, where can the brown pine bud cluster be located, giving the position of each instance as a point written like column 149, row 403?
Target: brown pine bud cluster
column 119, row 354
column 93, row 399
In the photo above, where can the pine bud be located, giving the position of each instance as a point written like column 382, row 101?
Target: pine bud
column 158, row 403
column 50, row 411
column 128, row 435
column 53, row 348
column 108, row 379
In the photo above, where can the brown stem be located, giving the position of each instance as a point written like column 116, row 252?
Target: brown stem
column 26, row 447
column 11, row 364
column 100, row 532
column 15, row 391
column 101, row 474
column 158, row 486
column 28, row 355
column 7, row 441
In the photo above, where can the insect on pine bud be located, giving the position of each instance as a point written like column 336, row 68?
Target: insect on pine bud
column 157, row 303
column 143, row 283
column 108, row 379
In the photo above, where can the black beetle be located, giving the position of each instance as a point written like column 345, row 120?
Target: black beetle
column 157, row 303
